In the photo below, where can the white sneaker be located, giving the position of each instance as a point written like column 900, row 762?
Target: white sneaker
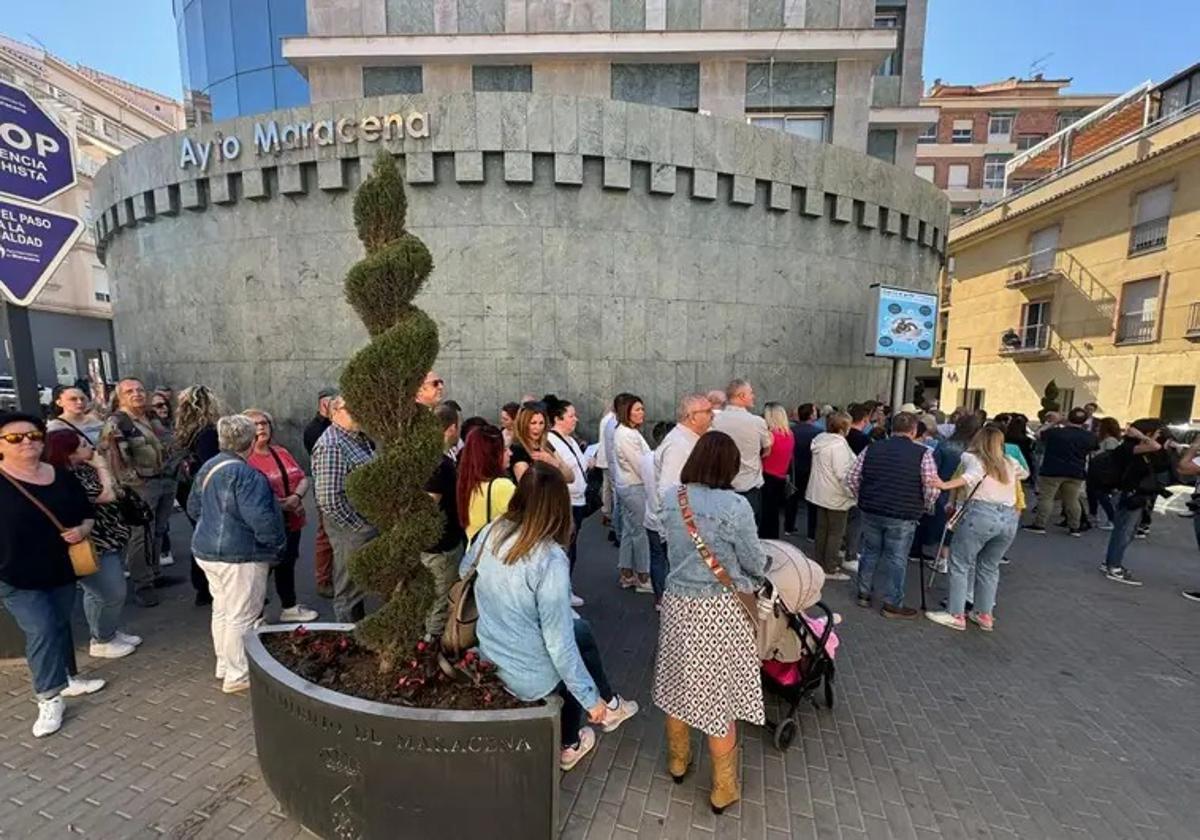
column 77, row 687
column 850, row 566
column 166, row 559
column 576, row 601
column 644, row 587
column 129, row 638
column 619, row 713
column 572, row 755
column 110, row 650
column 50, row 715
column 837, row 576
column 297, row 615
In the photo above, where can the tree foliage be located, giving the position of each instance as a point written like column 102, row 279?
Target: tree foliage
column 380, row 384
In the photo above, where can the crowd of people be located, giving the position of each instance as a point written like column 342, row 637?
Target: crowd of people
column 683, row 500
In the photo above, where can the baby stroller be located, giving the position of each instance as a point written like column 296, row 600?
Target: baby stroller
column 798, row 648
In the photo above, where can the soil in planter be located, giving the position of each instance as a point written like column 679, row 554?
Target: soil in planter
column 334, row 660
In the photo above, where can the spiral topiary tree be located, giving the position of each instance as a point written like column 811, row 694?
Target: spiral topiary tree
column 380, row 384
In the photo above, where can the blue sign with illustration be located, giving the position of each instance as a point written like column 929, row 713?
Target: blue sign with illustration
column 36, row 158
column 903, row 325
column 33, row 241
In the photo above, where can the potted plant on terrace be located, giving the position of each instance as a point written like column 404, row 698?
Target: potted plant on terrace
column 360, row 733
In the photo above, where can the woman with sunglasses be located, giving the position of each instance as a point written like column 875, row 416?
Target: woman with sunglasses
column 37, row 581
column 290, row 486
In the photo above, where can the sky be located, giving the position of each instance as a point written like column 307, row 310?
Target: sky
column 1106, row 46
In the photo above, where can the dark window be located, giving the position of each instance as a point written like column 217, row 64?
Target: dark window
column 380, row 81
column 517, row 78
column 891, row 20
column 928, row 134
column 881, row 143
column 664, row 85
column 1028, row 141
column 1177, row 401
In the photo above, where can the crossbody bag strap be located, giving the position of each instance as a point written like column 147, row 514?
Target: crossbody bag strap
column 35, row 501
column 710, row 559
column 208, row 477
column 287, row 484
column 571, row 449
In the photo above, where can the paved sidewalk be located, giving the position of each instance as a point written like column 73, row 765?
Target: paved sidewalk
column 1076, row 719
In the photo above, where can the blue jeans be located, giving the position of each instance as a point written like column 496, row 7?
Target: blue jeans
column 659, row 565
column 986, row 531
column 1124, row 527
column 885, row 544
column 44, row 616
column 634, row 553
column 104, row 597
column 574, row 715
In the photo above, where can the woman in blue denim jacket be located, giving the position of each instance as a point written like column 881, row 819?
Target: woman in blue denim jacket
column 239, row 533
column 526, row 624
column 707, row 671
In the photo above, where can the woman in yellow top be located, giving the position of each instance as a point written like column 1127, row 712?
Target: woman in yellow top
column 484, row 489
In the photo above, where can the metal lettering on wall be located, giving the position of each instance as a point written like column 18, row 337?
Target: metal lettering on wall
column 272, row 138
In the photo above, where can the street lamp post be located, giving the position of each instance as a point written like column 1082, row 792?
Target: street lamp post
column 967, row 377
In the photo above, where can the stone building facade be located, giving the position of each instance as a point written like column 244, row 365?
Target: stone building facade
column 583, row 246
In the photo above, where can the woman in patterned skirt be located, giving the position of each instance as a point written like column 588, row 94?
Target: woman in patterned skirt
column 707, row 672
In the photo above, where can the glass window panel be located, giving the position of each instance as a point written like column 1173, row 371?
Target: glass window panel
column 959, row 174
column 256, row 91
column 768, row 122
column 881, row 144
column 194, row 33
column 287, row 18
column 665, row 85
column 381, row 81
column 251, row 35
column 291, row 89
column 182, row 42
column 810, row 128
column 224, row 99
column 516, row 78
column 218, row 39
column 1154, row 204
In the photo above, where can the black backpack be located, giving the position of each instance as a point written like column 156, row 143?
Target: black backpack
column 1104, row 472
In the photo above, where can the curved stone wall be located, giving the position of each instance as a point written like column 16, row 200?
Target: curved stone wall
column 582, row 246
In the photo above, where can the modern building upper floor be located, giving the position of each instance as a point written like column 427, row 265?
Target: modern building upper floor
column 846, row 72
column 1089, row 274
column 981, row 127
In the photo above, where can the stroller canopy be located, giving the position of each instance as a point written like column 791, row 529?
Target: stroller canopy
column 797, row 580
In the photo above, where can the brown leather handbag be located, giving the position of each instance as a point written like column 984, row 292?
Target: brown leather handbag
column 84, row 559
column 459, row 634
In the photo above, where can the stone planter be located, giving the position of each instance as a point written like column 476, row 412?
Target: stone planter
column 350, row 768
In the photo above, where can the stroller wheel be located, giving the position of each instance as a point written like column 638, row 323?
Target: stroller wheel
column 785, row 732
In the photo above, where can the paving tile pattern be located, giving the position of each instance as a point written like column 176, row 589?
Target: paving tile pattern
column 1076, row 719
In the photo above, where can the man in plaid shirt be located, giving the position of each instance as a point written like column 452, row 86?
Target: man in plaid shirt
column 896, row 482
column 340, row 450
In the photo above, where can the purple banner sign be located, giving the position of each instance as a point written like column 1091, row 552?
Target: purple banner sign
column 36, row 159
column 33, row 241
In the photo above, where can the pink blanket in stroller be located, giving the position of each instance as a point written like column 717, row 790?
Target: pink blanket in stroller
column 790, row 673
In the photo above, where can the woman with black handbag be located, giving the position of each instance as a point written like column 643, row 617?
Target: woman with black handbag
column 43, row 513
column 707, row 672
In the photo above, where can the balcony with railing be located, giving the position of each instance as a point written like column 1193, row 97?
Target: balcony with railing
column 1137, row 328
column 1031, row 341
column 1148, row 236
column 1036, row 269
column 1193, row 322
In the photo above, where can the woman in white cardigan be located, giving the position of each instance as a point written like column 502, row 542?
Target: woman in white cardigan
column 832, row 459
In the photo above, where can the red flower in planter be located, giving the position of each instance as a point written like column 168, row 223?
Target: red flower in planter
column 421, row 646
column 301, row 631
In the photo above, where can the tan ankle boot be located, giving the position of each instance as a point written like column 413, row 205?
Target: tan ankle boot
column 679, row 748
column 725, row 787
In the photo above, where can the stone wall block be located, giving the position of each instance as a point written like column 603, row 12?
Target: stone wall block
column 487, row 123
column 683, row 138
column 166, row 201
column 568, row 169
column 418, row 168
column 514, row 121
column 565, row 118
column 254, row 185
column 616, row 127
column 891, row 221
column 125, row 216
column 468, row 167
column 540, row 123
column 662, row 178
column 843, row 209
column 518, row 167
column 660, row 134
column 143, row 206
column 591, row 126
column 814, row 201
column 927, row 231
column 868, row 215
column 191, row 196
column 638, row 128
column 743, row 189
column 704, row 184
column 910, row 227
column 331, row 175
column 705, row 138
column 617, row 173
column 781, row 196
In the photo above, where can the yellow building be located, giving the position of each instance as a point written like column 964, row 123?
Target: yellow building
column 1088, row 273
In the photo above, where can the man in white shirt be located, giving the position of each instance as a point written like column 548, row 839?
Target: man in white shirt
column 753, row 439
column 606, row 459
column 694, row 417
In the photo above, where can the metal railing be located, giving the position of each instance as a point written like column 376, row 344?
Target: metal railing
column 1031, row 338
column 1045, row 264
column 1135, row 329
column 1148, row 236
column 1193, row 321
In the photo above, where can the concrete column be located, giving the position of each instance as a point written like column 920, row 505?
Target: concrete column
column 723, row 89
column 575, row 78
column 332, row 82
column 856, row 14
column 911, row 83
column 906, row 148
column 446, row 78
column 852, row 104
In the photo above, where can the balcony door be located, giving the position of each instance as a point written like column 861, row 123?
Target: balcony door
column 1139, row 310
column 1043, row 247
column 1035, row 324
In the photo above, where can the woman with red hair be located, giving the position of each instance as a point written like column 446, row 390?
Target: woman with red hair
column 484, row 489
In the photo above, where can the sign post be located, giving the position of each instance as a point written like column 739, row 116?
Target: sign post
column 37, row 163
